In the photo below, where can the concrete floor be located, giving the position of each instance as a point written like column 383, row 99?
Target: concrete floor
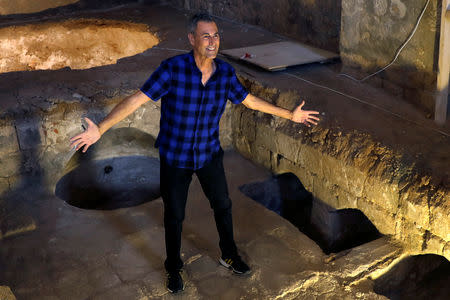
column 85, row 254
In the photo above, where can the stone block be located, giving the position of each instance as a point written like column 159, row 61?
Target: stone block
column 384, row 220
column 412, row 236
column 383, row 193
column 416, row 212
column 335, row 169
column 8, row 139
column 356, row 180
column 266, row 136
column 414, row 205
column 261, row 156
column 242, row 145
column 310, row 159
column 324, row 191
column 345, row 199
column 225, row 127
column 288, row 146
column 285, row 165
column 248, row 125
column 374, row 255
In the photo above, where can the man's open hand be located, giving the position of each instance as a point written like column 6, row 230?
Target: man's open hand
column 86, row 138
column 306, row 117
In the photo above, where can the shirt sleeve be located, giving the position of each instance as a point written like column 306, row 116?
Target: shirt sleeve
column 158, row 84
column 237, row 92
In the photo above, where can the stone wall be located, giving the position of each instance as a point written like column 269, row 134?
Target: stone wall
column 315, row 22
column 349, row 170
column 34, row 140
column 372, row 32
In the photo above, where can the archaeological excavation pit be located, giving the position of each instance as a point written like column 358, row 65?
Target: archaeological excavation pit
column 111, row 183
column 418, row 277
column 77, row 44
column 334, row 230
column 121, row 170
column 97, row 226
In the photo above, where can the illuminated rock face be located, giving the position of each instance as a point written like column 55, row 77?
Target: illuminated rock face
column 8, row 7
column 78, row 44
column 351, row 170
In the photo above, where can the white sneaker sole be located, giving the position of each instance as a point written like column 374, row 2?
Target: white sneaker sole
column 230, row 267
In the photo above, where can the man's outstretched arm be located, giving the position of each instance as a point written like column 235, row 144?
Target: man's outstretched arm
column 298, row 115
column 93, row 133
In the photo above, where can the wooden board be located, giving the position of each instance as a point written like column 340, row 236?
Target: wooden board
column 278, row 56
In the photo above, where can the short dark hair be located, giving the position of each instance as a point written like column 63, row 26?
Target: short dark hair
column 199, row 17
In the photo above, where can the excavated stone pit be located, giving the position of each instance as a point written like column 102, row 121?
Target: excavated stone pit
column 111, row 183
column 121, row 170
column 418, row 277
column 77, row 44
column 403, row 194
column 333, row 230
column 352, row 173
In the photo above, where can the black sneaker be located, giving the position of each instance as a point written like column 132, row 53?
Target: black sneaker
column 174, row 282
column 236, row 264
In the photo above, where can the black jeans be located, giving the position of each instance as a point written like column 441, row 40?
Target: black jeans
column 174, row 190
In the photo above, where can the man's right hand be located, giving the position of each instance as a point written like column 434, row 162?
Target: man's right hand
column 86, row 138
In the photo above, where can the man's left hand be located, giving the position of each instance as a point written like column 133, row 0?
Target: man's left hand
column 306, row 117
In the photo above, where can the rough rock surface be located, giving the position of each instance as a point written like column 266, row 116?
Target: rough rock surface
column 78, row 44
column 353, row 170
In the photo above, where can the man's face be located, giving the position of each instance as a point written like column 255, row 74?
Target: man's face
column 205, row 40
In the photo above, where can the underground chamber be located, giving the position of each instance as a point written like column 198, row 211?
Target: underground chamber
column 419, row 277
column 334, row 230
column 121, row 170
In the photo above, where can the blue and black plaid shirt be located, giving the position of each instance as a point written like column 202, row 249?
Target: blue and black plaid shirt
column 190, row 112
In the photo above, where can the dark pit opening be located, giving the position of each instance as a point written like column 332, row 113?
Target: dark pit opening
column 333, row 230
column 111, row 183
column 416, row 277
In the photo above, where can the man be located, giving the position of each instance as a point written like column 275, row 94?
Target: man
column 194, row 88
